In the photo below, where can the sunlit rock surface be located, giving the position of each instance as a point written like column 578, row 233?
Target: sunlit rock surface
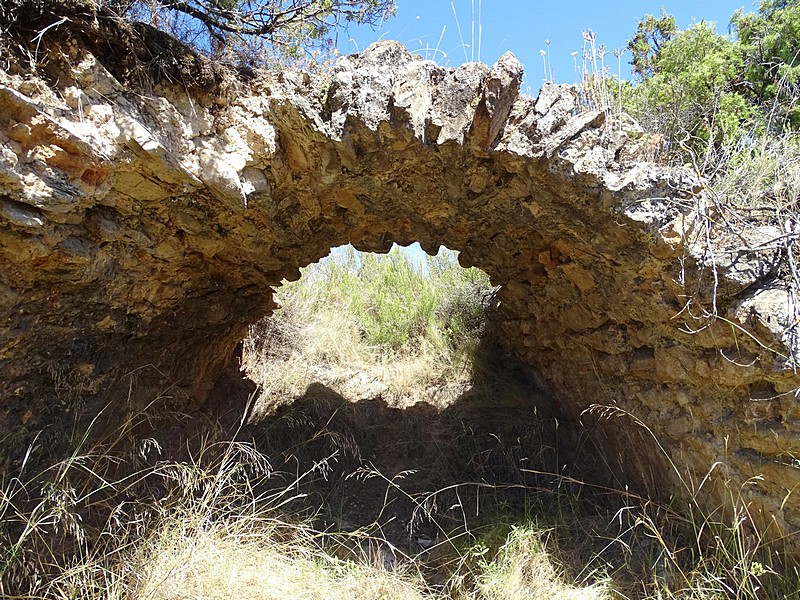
column 142, row 229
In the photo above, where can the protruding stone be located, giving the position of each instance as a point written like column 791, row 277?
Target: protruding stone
column 221, row 178
column 500, row 90
column 20, row 214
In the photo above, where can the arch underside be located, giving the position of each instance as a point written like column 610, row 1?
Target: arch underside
column 142, row 233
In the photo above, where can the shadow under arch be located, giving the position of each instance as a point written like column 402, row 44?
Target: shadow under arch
column 406, row 476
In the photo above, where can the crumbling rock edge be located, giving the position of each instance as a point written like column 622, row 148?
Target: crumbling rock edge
column 141, row 233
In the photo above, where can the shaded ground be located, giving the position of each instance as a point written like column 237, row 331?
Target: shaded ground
column 438, row 490
column 426, row 482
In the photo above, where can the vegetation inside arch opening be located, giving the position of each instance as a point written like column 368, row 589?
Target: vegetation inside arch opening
column 403, row 326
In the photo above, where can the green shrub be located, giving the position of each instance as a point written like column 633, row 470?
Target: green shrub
column 698, row 88
column 689, row 97
column 399, row 304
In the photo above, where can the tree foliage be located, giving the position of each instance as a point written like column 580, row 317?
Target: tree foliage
column 698, row 87
column 651, row 34
column 252, row 30
column 690, row 95
column 771, row 38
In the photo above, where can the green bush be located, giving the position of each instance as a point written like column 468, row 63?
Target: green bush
column 699, row 89
column 398, row 304
column 771, row 38
column 689, row 97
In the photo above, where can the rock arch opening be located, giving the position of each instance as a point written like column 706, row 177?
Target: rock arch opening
column 403, row 326
column 383, row 378
column 142, row 234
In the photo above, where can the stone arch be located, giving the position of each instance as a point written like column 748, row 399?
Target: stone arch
column 142, row 232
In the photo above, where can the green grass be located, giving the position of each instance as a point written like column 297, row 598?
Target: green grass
column 522, row 568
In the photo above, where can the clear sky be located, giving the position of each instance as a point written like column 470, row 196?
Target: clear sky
column 522, row 26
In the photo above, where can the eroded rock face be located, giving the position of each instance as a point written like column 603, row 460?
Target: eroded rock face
column 141, row 232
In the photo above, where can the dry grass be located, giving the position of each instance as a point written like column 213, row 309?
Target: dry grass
column 247, row 559
column 372, row 326
column 217, row 523
column 329, row 497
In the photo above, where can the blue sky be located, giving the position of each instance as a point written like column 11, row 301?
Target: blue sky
column 522, row 26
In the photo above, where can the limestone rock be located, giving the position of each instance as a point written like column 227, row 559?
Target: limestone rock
column 142, row 233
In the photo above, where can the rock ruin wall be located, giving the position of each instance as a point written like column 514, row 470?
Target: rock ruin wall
column 142, row 229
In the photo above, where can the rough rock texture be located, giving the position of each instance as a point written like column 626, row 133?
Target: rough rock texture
column 142, row 229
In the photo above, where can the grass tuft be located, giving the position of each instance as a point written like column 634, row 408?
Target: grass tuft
column 523, row 568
